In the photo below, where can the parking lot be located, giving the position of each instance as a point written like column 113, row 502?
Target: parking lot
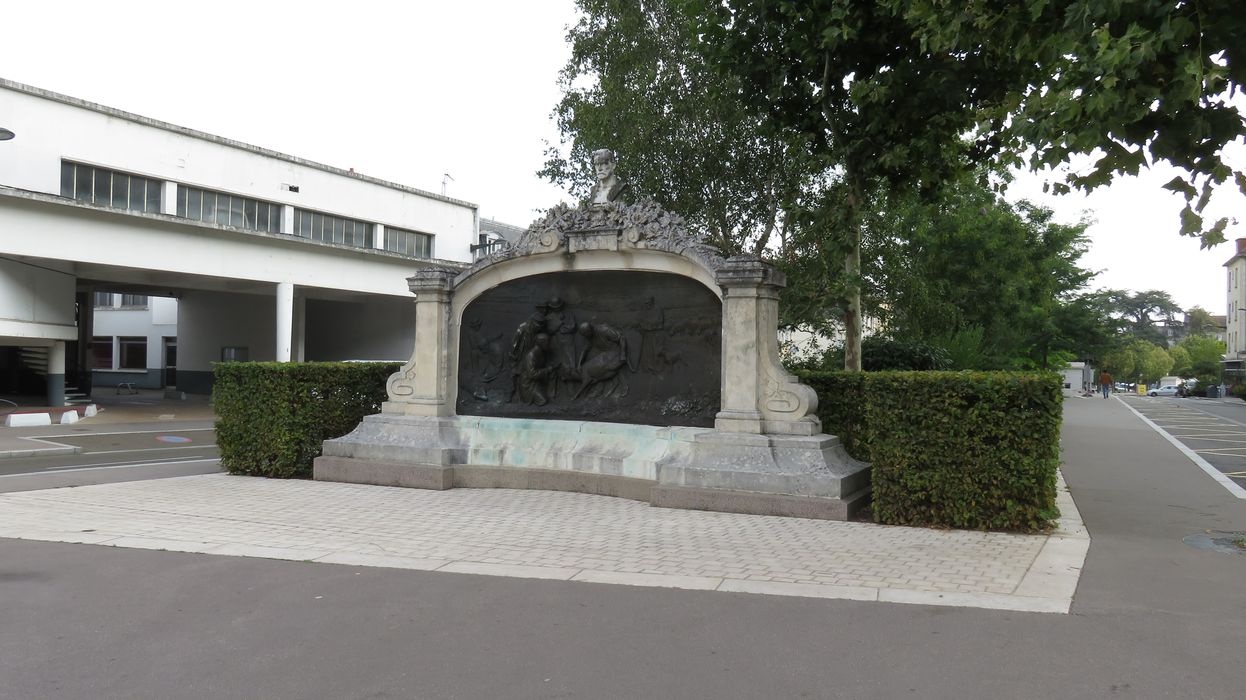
column 1213, row 430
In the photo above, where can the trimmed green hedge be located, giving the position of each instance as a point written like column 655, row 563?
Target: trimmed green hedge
column 274, row 416
column 955, row 449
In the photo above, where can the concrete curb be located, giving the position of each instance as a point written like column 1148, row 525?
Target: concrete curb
column 15, row 448
column 34, row 419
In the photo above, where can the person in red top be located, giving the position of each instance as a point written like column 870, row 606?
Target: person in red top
column 1105, row 383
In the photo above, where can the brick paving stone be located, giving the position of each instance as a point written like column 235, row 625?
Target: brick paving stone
column 510, row 530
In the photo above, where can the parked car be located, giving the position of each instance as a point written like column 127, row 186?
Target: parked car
column 1163, row 391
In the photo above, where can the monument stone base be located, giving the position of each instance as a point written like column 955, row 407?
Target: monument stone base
column 677, row 467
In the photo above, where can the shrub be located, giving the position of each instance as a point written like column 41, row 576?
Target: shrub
column 963, row 449
column 273, row 416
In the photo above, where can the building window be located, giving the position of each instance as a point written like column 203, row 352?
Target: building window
column 132, row 352
column 110, row 188
column 133, row 301
column 417, row 245
column 103, row 300
column 228, row 210
column 101, row 352
column 332, row 229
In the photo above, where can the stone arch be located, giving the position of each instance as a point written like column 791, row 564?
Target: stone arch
column 764, row 453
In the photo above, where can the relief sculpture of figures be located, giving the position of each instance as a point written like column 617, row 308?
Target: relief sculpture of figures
column 485, row 360
column 616, row 346
column 609, row 187
column 536, row 364
column 601, row 361
column 532, row 375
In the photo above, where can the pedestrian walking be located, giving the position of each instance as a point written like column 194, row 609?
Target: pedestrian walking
column 1105, row 383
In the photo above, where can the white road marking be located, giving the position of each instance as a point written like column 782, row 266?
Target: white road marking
column 146, row 449
column 1203, row 464
column 118, row 466
column 131, row 432
column 134, row 463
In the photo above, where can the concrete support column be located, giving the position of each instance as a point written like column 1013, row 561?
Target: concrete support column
column 299, row 345
column 168, row 198
column 56, row 374
column 285, row 320
column 421, row 386
column 758, row 395
column 378, row 236
column 287, row 219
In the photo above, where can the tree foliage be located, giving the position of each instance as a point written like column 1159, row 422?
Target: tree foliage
column 1139, row 361
column 809, row 130
column 973, row 261
column 874, row 106
column 1199, row 321
column 1138, row 314
column 1181, row 365
column 1132, row 83
column 638, row 82
column 1205, row 354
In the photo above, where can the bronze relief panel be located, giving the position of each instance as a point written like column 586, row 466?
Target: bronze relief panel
column 614, row 346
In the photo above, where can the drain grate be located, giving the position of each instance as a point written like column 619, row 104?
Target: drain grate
column 1218, row 541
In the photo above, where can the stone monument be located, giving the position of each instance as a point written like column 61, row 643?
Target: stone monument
column 609, row 351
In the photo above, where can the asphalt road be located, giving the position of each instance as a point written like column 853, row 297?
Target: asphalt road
column 1152, row 618
column 116, row 452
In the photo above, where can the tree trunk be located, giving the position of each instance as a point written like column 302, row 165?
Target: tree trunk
column 852, row 275
column 852, row 319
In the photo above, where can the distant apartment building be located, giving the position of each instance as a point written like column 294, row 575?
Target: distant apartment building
column 1235, row 318
column 139, row 251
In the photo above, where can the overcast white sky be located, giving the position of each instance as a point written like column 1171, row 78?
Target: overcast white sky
column 408, row 91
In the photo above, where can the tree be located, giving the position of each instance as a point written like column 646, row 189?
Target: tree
column 1083, row 329
column 1139, row 361
column 880, row 111
column 885, row 92
column 638, row 82
column 1181, row 365
column 1205, row 353
column 974, row 261
column 1120, row 363
column 851, row 103
column 1138, row 314
column 1134, row 83
column 1198, row 321
column 1151, row 362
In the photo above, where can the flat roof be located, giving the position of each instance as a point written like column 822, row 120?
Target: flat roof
column 221, row 140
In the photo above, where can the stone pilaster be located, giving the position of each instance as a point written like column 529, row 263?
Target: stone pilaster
column 758, row 395
column 421, row 386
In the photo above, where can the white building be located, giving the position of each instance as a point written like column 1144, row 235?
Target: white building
column 1235, row 321
column 134, row 340
column 268, row 256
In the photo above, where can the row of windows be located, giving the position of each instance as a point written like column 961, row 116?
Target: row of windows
column 418, row 245
column 109, row 188
column 129, row 301
column 131, row 352
column 228, row 210
column 136, row 193
column 332, row 229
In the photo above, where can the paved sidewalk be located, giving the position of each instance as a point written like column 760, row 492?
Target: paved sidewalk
column 567, row 536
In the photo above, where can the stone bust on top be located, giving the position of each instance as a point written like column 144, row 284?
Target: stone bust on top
column 609, row 187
